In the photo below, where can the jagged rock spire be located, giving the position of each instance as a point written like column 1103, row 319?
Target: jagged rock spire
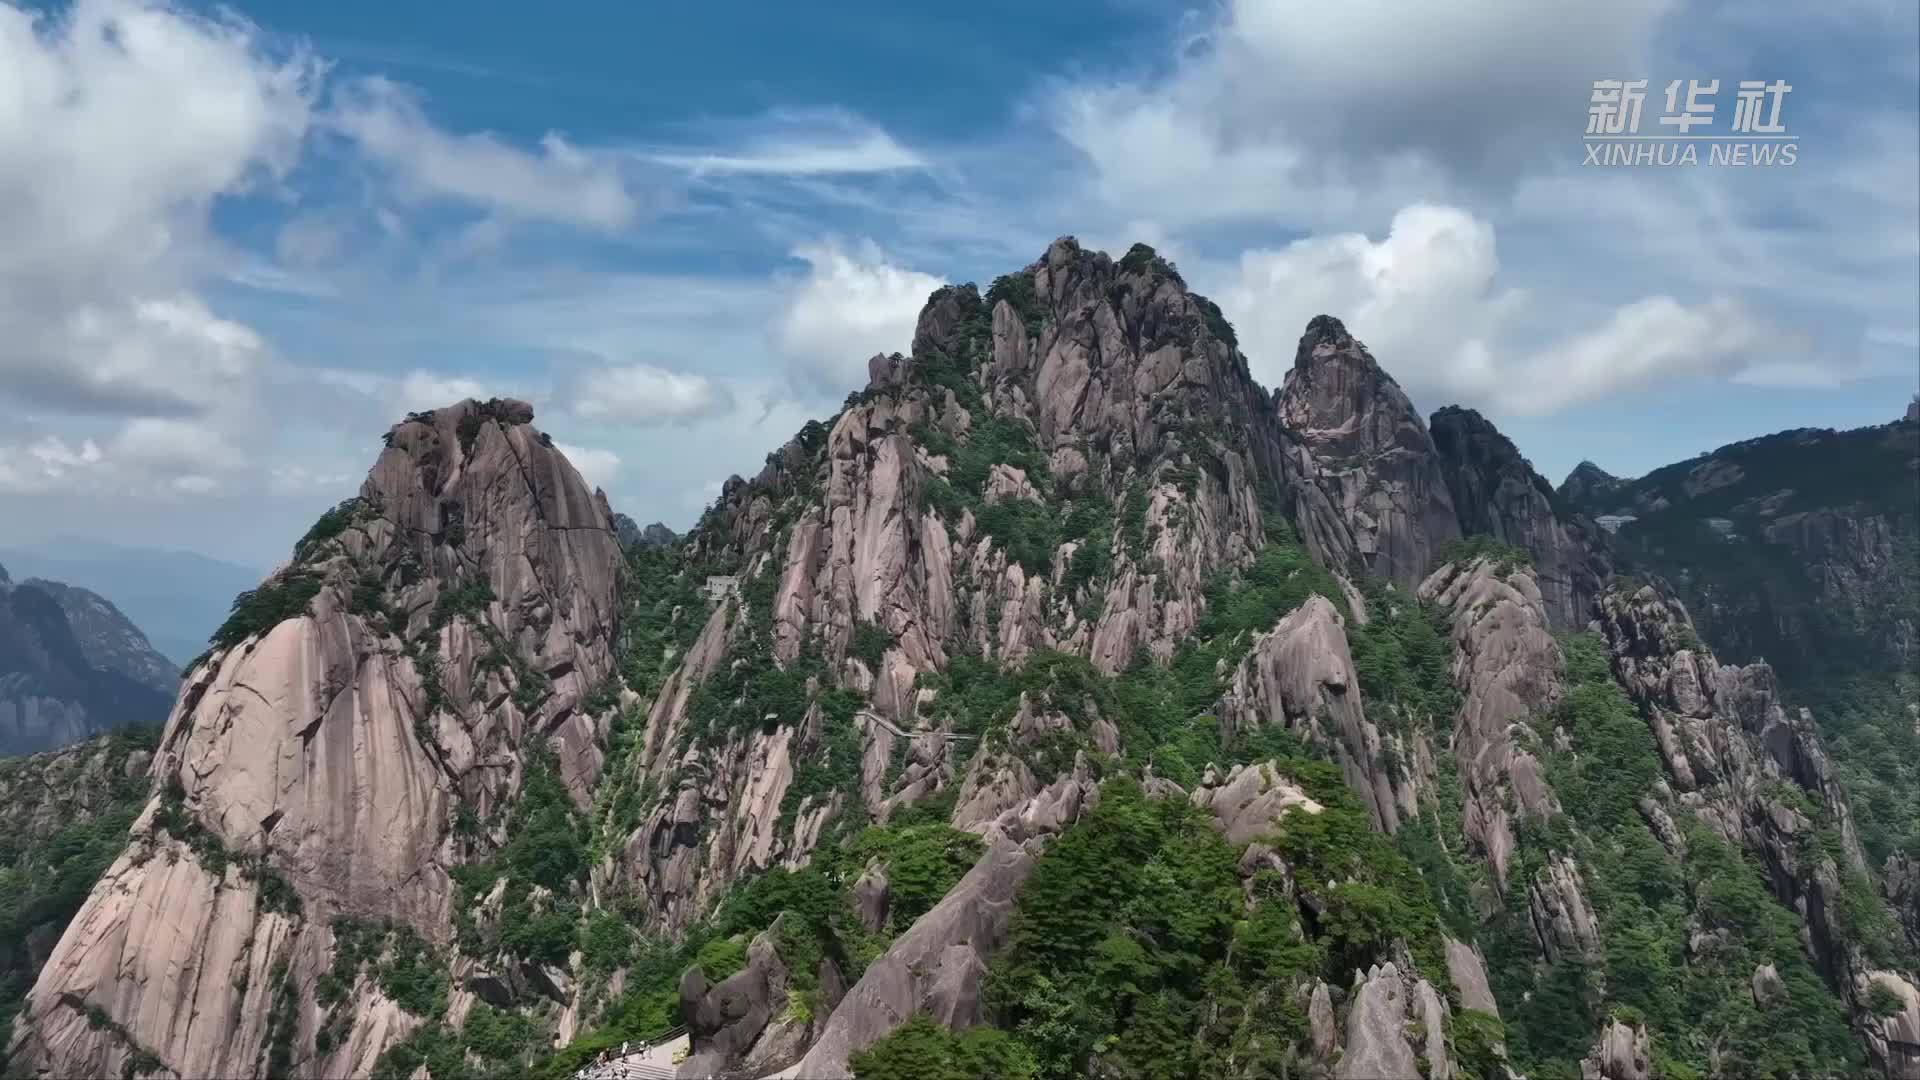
column 1371, row 451
column 1497, row 493
column 422, row 639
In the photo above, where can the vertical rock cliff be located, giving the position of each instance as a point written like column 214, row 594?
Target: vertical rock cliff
column 1372, row 455
column 1497, row 494
column 381, row 686
column 1064, row 704
column 1061, row 466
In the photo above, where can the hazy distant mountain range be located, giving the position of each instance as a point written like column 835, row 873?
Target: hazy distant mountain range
column 71, row 666
column 175, row 597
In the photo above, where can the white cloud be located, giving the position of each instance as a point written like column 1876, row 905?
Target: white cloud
column 54, row 457
column 302, row 480
column 420, row 390
column 846, row 308
column 644, row 393
column 44, row 465
column 802, row 143
column 1426, row 288
column 375, row 396
column 1315, row 114
column 195, row 484
column 597, row 467
column 1427, row 302
column 161, row 443
column 1644, row 343
column 147, row 458
column 562, row 183
column 120, row 123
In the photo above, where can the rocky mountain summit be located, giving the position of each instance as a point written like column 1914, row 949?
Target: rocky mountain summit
column 1067, row 704
column 355, row 729
column 1497, row 493
column 631, row 534
column 1374, row 457
column 71, row 666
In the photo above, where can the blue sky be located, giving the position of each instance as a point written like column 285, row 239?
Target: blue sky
column 237, row 243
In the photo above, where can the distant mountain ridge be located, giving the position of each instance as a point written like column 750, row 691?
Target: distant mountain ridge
column 1800, row 547
column 176, row 598
column 71, row 666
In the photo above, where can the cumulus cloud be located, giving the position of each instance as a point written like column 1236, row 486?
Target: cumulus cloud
column 847, row 307
column 123, row 122
column 1426, row 300
column 148, row 457
column 562, row 183
column 644, row 393
column 177, row 444
column 1314, row 114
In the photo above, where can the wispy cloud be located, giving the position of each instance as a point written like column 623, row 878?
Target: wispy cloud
column 798, row 143
column 561, row 183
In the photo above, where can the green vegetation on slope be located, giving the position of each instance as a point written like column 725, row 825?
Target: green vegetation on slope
column 45, row 879
column 1867, row 722
column 1137, row 942
column 1695, row 999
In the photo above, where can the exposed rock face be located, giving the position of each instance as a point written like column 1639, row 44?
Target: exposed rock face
column 1120, row 383
column 1300, row 676
column 1563, row 922
column 1497, row 493
column 1247, row 802
column 462, row 605
column 626, row 530
column 936, row 965
column 72, row 666
column 1372, row 456
column 724, row 1020
column 1900, row 880
column 1893, row 1042
column 1323, row 1034
column 1508, row 670
column 1622, row 1053
column 39, row 794
column 1376, row 1047
column 1736, row 755
column 871, row 897
column 1468, row 972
